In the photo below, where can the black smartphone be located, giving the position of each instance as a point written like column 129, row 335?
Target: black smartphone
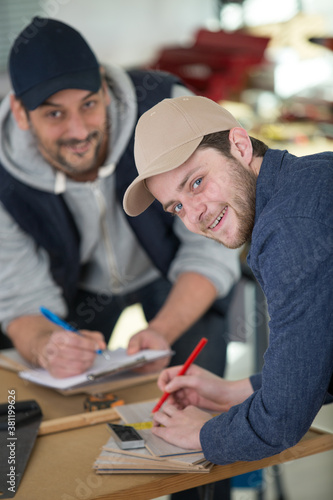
column 126, row 436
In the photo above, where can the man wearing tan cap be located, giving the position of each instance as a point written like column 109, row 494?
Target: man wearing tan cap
column 197, row 160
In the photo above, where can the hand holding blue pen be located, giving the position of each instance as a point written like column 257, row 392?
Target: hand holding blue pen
column 60, row 322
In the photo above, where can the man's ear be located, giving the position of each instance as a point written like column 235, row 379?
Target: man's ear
column 105, row 86
column 19, row 113
column 241, row 145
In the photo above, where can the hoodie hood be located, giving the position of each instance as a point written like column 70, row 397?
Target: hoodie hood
column 18, row 148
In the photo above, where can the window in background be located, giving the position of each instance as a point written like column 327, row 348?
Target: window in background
column 236, row 14
column 14, row 15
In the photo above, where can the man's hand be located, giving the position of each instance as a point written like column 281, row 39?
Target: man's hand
column 149, row 339
column 190, row 297
column 200, row 387
column 180, row 427
column 65, row 354
column 61, row 352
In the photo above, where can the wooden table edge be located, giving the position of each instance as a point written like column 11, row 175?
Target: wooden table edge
column 166, row 484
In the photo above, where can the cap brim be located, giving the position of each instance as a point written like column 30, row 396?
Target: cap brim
column 137, row 198
column 82, row 80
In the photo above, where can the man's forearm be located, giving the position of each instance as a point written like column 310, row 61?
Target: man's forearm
column 29, row 334
column 190, row 297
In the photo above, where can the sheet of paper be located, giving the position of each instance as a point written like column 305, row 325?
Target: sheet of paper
column 142, row 412
column 118, row 361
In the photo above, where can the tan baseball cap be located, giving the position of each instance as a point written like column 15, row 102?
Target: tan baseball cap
column 166, row 136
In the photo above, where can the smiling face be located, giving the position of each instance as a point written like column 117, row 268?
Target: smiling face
column 214, row 196
column 70, row 129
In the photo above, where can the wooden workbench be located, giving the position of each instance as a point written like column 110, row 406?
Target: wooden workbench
column 60, row 466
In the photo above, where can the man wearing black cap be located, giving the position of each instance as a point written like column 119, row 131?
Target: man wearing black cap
column 66, row 159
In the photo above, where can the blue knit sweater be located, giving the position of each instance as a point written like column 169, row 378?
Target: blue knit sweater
column 291, row 256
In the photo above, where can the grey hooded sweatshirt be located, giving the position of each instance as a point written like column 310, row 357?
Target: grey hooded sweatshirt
column 114, row 261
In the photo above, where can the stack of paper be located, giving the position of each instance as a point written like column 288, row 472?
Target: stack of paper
column 157, row 455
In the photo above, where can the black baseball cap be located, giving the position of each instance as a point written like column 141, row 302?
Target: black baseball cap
column 49, row 56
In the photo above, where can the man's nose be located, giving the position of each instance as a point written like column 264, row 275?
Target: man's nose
column 76, row 127
column 195, row 210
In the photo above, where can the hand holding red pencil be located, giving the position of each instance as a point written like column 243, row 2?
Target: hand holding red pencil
column 183, row 370
column 194, row 398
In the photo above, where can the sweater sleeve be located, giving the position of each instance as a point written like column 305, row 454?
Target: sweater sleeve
column 256, row 381
column 26, row 283
column 297, row 275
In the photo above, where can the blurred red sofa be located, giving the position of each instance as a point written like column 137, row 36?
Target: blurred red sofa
column 217, row 64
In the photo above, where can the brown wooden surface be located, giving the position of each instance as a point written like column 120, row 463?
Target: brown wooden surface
column 55, row 405
column 60, row 466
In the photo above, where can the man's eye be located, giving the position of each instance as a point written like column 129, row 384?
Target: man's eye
column 89, row 104
column 197, row 183
column 178, row 208
column 54, row 114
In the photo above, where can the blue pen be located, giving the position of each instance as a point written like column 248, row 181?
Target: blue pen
column 60, row 322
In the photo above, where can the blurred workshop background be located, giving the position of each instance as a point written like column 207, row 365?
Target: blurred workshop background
column 271, row 64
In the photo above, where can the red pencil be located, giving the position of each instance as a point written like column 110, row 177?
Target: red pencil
column 183, row 370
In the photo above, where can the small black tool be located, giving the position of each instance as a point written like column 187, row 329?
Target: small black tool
column 126, row 436
column 19, row 424
column 24, row 411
